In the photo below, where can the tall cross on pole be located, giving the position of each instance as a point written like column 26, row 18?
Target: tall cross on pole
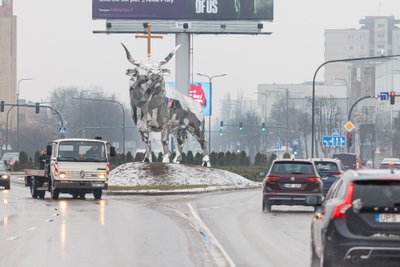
column 149, row 36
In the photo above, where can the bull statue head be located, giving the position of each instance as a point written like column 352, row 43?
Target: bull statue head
column 147, row 77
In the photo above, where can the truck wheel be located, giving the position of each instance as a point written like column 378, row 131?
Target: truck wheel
column 75, row 195
column 54, row 193
column 34, row 192
column 41, row 194
column 82, row 195
column 97, row 193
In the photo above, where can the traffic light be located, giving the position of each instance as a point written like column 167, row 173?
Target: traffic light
column 241, row 126
column 263, row 127
column 221, row 128
column 2, row 106
column 392, row 97
column 37, row 108
column 349, row 139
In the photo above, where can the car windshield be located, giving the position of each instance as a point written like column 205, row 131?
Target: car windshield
column 378, row 193
column 292, row 168
column 82, row 151
column 324, row 166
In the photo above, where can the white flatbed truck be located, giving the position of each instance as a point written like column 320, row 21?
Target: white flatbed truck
column 74, row 166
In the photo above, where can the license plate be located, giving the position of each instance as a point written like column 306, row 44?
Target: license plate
column 292, row 185
column 97, row 185
column 387, row 218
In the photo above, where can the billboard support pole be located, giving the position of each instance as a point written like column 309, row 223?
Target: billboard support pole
column 182, row 63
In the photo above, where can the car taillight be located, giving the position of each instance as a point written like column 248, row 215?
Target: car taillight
column 313, row 179
column 341, row 208
column 272, row 178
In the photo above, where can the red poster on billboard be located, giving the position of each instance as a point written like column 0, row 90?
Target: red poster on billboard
column 197, row 94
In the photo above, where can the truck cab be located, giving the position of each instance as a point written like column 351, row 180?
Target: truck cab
column 79, row 166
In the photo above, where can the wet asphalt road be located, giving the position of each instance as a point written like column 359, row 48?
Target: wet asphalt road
column 215, row 229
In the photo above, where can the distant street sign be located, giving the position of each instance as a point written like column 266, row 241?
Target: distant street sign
column 62, row 130
column 384, row 96
column 334, row 140
column 349, row 126
column 335, row 132
column 278, row 146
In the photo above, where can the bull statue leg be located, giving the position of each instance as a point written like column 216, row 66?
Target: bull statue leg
column 145, row 133
column 180, row 138
column 199, row 135
column 164, row 142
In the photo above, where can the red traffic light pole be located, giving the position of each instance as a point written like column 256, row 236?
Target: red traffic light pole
column 351, row 110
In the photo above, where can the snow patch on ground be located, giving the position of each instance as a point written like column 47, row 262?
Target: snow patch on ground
column 157, row 174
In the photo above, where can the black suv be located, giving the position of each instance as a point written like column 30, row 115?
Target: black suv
column 358, row 223
column 288, row 182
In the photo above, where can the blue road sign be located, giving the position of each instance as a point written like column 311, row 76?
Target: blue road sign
column 62, row 130
column 334, row 140
column 384, row 96
column 335, row 132
column 278, row 146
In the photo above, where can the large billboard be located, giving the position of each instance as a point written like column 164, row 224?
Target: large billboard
column 200, row 92
column 183, row 9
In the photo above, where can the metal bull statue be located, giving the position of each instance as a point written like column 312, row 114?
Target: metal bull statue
column 157, row 109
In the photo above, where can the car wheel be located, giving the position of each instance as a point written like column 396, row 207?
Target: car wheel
column 7, row 187
column 325, row 262
column 315, row 261
column 82, row 195
column 266, row 205
column 54, row 193
column 34, row 192
column 75, row 195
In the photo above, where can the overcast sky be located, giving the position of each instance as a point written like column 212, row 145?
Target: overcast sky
column 56, row 47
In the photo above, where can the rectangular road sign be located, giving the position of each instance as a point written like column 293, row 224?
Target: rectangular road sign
column 278, row 146
column 384, row 96
column 334, row 140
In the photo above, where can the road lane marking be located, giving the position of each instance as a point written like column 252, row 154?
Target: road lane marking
column 32, row 228
column 210, row 237
column 13, row 238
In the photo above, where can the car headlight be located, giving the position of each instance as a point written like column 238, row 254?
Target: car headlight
column 5, row 176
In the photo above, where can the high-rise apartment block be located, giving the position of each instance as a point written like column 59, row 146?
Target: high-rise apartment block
column 8, row 52
column 378, row 35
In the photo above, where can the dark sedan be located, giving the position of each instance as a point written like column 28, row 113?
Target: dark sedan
column 358, row 223
column 288, row 182
column 329, row 170
column 4, row 176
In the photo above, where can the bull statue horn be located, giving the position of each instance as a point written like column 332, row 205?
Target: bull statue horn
column 129, row 57
column 170, row 55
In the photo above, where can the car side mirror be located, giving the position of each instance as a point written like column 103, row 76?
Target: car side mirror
column 112, row 151
column 313, row 200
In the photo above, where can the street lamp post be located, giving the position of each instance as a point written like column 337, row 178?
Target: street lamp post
column 347, row 93
column 123, row 115
column 209, row 118
column 19, row 81
column 313, row 90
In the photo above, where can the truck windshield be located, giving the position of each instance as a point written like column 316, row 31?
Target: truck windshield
column 88, row 151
